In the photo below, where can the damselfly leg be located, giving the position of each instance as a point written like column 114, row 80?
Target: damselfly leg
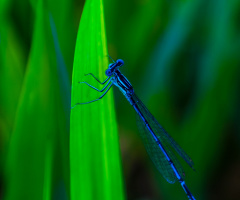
column 95, row 99
column 96, row 88
column 108, row 86
column 97, row 79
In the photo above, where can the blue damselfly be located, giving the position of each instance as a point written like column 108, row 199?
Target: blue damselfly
column 158, row 143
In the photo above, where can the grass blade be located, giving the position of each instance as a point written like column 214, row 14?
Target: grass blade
column 94, row 146
column 29, row 162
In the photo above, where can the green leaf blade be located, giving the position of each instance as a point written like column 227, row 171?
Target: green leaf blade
column 30, row 152
column 94, row 146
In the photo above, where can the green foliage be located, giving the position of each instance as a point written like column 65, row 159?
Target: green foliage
column 180, row 56
column 30, row 150
column 94, row 149
column 38, row 141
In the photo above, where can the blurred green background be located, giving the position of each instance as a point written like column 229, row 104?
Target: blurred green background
column 182, row 58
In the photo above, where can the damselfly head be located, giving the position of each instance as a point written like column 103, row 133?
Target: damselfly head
column 120, row 62
column 110, row 65
column 114, row 66
column 108, row 72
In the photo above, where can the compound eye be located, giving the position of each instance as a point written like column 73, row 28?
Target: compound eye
column 120, row 62
column 108, row 72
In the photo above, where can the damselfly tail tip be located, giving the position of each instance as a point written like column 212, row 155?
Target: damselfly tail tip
column 193, row 198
